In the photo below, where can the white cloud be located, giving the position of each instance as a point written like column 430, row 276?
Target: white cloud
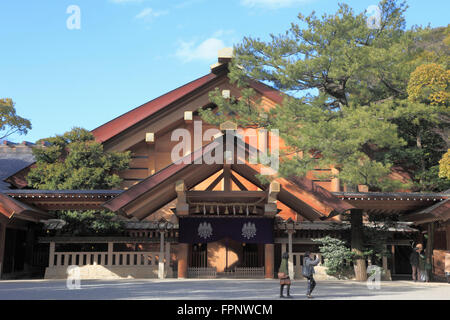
column 187, row 3
column 126, row 1
column 272, row 3
column 206, row 50
column 149, row 13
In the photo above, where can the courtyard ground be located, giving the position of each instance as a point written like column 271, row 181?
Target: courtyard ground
column 216, row 289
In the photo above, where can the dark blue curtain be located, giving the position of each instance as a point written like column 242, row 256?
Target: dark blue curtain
column 202, row 230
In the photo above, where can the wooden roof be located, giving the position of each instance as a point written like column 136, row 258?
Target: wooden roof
column 391, row 202
column 12, row 209
column 130, row 118
column 437, row 212
column 62, row 199
column 312, row 202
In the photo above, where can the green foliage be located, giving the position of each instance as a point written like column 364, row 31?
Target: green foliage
column 337, row 256
column 89, row 222
column 444, row 166
column 75, row 161
column 348, row 105
column 429, row 181
column 429, row 83
column 376, row 235
column 10, row 122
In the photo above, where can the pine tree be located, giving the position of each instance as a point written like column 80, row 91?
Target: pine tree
column 10, row 121
column 75, row 161
column 347, row 95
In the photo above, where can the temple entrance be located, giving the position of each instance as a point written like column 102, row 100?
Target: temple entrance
column 250, row 256
column 198, row 257
column 226, row 258
column 231, row 247
column 15, row 250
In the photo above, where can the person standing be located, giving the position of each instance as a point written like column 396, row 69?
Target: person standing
column 414, row 261
column 308, row 272
column 283, row 275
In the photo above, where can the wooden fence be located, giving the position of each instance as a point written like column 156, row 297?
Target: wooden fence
column 196, row 272
column 60, row 259
column 248, row 273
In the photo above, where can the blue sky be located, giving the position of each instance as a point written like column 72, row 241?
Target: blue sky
column 128, row 52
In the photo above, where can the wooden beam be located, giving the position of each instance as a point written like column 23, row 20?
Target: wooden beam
column 182, row 206
column 227, row 177
column 274, row 189
column 188, row 116
column 150, row 137
column 238, row 183
column 215, row 182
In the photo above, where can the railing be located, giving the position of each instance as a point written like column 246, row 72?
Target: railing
column 250, row 259
column 199, row 259
column 194, row 272
column 152, row 234
column 257, row 272
column 59, row 259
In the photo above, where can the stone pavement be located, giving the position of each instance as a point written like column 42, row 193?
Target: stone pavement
column 221, row 289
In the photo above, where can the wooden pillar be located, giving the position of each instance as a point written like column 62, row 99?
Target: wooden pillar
column 269, row 253
column 2, row 245
column 357, row 244
column 387, row 272
column 291, row 256
column 183, row 252
column 393, row 258
column 270, row 208
column 29, row 249
column 167, row 256
column 447, row 234
column 430, row 247
column 161, row 256
column 110, row 254
column 51, row 255
column 182, row 206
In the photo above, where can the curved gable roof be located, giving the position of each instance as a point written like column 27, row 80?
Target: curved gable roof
column 123, row 122
column 312, row 202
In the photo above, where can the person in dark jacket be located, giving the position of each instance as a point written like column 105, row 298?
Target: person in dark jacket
column 283, row 275
column 414, row 261
column 308, row 272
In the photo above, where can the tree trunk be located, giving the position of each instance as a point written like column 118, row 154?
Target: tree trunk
column 357, row 244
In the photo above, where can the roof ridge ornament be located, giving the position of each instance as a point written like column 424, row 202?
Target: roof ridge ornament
column 223, row 58
column 228, row 126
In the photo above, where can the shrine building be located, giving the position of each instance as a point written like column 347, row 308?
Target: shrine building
column 194, row 218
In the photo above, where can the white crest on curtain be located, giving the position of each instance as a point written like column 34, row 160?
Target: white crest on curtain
column 205, row 230
column 248, row 230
